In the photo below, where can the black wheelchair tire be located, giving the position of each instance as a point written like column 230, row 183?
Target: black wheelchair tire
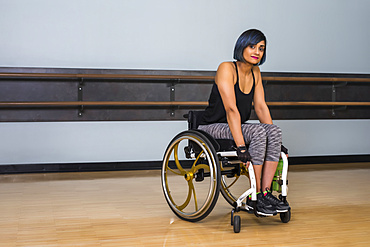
column 214, row 192
column 285, row 217
column 237, row 224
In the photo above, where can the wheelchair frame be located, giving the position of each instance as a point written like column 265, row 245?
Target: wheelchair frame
column 210, row 161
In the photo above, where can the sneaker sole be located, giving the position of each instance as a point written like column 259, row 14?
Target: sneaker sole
column 264, row 214
column 249, row 209
column 282, row 211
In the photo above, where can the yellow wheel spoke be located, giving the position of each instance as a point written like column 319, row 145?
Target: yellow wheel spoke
column 196, row 167
column 175, row 149
column 236, row 179
column 196, row 160
column 186, row 203
column 177, row 173
column 200, row 166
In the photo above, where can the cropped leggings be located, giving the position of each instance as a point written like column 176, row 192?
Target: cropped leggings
column 264, row 139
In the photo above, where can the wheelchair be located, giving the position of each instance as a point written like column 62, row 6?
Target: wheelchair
column 196, row 168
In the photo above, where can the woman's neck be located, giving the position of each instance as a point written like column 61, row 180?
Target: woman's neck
column 244, row 68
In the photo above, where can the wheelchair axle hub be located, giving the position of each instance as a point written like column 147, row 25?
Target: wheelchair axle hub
column 189, row 176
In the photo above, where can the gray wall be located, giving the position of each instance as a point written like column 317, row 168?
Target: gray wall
column 303, row 36
column 36, row 143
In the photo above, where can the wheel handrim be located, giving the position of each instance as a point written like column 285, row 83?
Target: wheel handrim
column 200, row 206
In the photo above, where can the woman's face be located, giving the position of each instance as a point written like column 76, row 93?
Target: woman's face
column 254, row 53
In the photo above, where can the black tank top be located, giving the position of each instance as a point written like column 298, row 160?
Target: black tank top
column 215, row 111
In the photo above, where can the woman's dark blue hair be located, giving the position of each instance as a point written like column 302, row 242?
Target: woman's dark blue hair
column 249, row 37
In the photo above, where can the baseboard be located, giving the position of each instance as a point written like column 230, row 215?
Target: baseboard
column 155, row 165
column 80, row 167
column 302, row 160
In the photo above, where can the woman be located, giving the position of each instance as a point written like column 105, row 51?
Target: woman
column 237, row 84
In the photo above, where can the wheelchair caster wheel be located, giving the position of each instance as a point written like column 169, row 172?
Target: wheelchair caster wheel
column 237, row 223
column 285, row 217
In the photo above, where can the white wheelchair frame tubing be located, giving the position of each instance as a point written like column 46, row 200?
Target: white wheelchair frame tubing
column 253, row 189
column 284, row 176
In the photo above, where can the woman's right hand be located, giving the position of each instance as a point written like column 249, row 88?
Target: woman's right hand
column 243, row 154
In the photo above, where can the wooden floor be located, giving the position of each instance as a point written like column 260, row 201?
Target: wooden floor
column 330, row 207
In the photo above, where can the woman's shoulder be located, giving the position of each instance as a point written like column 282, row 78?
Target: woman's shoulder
column 225, row 71
column 226, row 67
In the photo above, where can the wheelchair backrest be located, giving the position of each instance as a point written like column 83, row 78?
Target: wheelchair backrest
column 194, row 118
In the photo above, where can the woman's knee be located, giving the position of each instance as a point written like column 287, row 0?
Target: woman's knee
column 278, row 133
column 278, row 130
column 273, row 132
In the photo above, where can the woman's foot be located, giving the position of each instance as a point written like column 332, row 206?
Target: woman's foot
column 280, row 206
column 263, row 207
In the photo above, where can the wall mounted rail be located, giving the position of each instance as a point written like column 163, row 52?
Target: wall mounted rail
column 157, row 94
column 164, row 103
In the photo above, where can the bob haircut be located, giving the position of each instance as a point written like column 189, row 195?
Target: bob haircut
column 249, row 37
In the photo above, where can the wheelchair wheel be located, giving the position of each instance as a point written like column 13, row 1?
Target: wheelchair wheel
column 237, row 224
column 232, row 186
column 191, row 176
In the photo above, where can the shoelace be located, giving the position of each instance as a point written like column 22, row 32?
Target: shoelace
column 270, row 197
column 261, row 201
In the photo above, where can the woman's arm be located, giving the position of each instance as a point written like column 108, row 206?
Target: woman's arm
column 260, row 106
column 225, row 83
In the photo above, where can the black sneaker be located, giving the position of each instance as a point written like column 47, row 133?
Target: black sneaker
column 264, row 208
column 281, row 207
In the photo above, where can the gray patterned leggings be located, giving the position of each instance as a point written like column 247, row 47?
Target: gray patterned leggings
column 264, row 139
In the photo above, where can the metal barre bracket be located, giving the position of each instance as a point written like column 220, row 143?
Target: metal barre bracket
column 333, row 95
column 80, row 96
